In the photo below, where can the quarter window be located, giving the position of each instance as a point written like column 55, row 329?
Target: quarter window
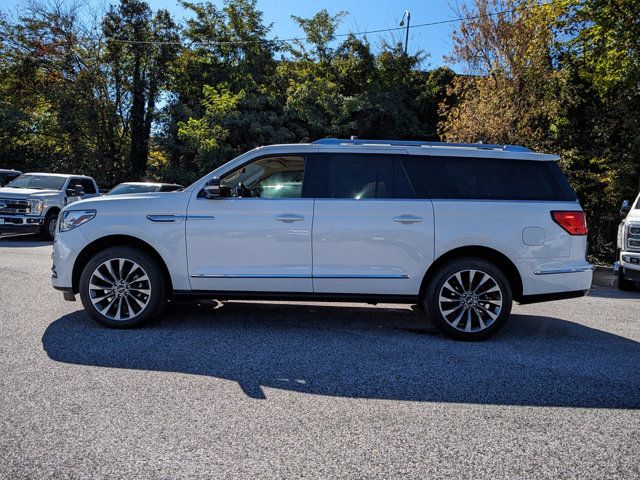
column 487, row 178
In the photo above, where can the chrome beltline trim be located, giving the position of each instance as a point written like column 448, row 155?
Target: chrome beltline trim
column 176, row 218
column 320, row 276
column 563, row 270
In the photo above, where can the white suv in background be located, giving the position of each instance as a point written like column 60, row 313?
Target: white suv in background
column 461, row 230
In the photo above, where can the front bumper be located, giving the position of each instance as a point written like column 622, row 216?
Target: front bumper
column 66, row 247
column 630, row 265
column 20, row 224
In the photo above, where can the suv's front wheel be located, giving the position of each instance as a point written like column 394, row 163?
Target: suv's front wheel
column 122, row 287
column 468, row 299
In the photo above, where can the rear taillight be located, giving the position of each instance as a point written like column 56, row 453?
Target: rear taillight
column 574, row 223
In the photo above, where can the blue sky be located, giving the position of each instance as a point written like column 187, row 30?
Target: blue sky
column 363, row 15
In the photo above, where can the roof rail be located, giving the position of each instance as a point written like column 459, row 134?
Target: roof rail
column 418, row 143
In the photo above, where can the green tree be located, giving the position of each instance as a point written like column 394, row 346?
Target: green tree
column 140, row 50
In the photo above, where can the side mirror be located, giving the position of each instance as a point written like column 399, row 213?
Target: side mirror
column 625, row 208
column 212, row 189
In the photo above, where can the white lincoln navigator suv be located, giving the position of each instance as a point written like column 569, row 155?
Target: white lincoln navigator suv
column 461, row 230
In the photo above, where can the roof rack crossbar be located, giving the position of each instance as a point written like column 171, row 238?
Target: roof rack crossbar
column 417, row 143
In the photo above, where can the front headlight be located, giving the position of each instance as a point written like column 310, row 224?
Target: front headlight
column 74, row 218
column 36, row 207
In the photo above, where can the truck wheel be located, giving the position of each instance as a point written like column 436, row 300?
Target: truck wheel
column 48, row 228
column 122, row 287
column 624, row 284
column 468, row 299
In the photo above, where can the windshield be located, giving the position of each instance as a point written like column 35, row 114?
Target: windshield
column 124, row 188
column 638, row 203
column 38, row 182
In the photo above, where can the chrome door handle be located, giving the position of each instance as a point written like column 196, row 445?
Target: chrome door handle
column 407, row 219
column 288, row 218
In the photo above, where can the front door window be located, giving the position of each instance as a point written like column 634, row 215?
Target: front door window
column 272, row 177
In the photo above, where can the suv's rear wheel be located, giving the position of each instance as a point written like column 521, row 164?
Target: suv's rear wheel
column 468, row 299
column 122, row 287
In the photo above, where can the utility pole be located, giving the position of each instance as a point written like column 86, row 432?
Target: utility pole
column 407, row 15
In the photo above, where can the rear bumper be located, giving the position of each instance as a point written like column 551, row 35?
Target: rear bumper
column 550, row 297
column 555, row 278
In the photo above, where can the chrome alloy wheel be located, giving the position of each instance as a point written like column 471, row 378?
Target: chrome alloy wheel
column 119, row 289
column 470, row 300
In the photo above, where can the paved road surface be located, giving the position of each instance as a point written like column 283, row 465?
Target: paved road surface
column 269, row 390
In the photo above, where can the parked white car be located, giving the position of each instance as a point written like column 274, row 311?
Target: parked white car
column 31, row 202
column 628, row 263
column 143, row 187
column 461, row 230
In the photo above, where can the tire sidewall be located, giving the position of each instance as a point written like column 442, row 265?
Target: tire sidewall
column 149, row 265
column 624, row 284
column 45, row 231
column 442, row 275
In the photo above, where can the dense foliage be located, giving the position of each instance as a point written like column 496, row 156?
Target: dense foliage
column 133, row 93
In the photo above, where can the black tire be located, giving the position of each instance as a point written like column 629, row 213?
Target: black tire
column 48, row 228
column 478, row 301
column 624, row 284
column 125, row 306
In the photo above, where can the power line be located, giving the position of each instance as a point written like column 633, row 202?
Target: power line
column 340, row 35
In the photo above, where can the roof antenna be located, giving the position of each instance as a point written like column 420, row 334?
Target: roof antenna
column 354, row 137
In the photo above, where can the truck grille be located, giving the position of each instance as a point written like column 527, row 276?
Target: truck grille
column 11, row 206
column 633, row 237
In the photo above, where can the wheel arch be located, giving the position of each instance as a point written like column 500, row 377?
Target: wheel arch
column 52, row 209
column 499, row 259
column 117, row 241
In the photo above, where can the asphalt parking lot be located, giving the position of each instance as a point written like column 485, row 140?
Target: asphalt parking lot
column 257, row 389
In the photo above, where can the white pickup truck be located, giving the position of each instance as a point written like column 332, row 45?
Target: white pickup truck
column 31, row 203
column 628, row 262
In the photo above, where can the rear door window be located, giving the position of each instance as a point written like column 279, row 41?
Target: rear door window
column 487, row 178
column 355, row 176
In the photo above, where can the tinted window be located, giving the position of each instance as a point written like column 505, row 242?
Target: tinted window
column 487, row 178
column 354, row 176
column 87, row 185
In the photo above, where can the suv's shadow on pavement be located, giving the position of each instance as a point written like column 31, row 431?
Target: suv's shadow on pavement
column 365, row 353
